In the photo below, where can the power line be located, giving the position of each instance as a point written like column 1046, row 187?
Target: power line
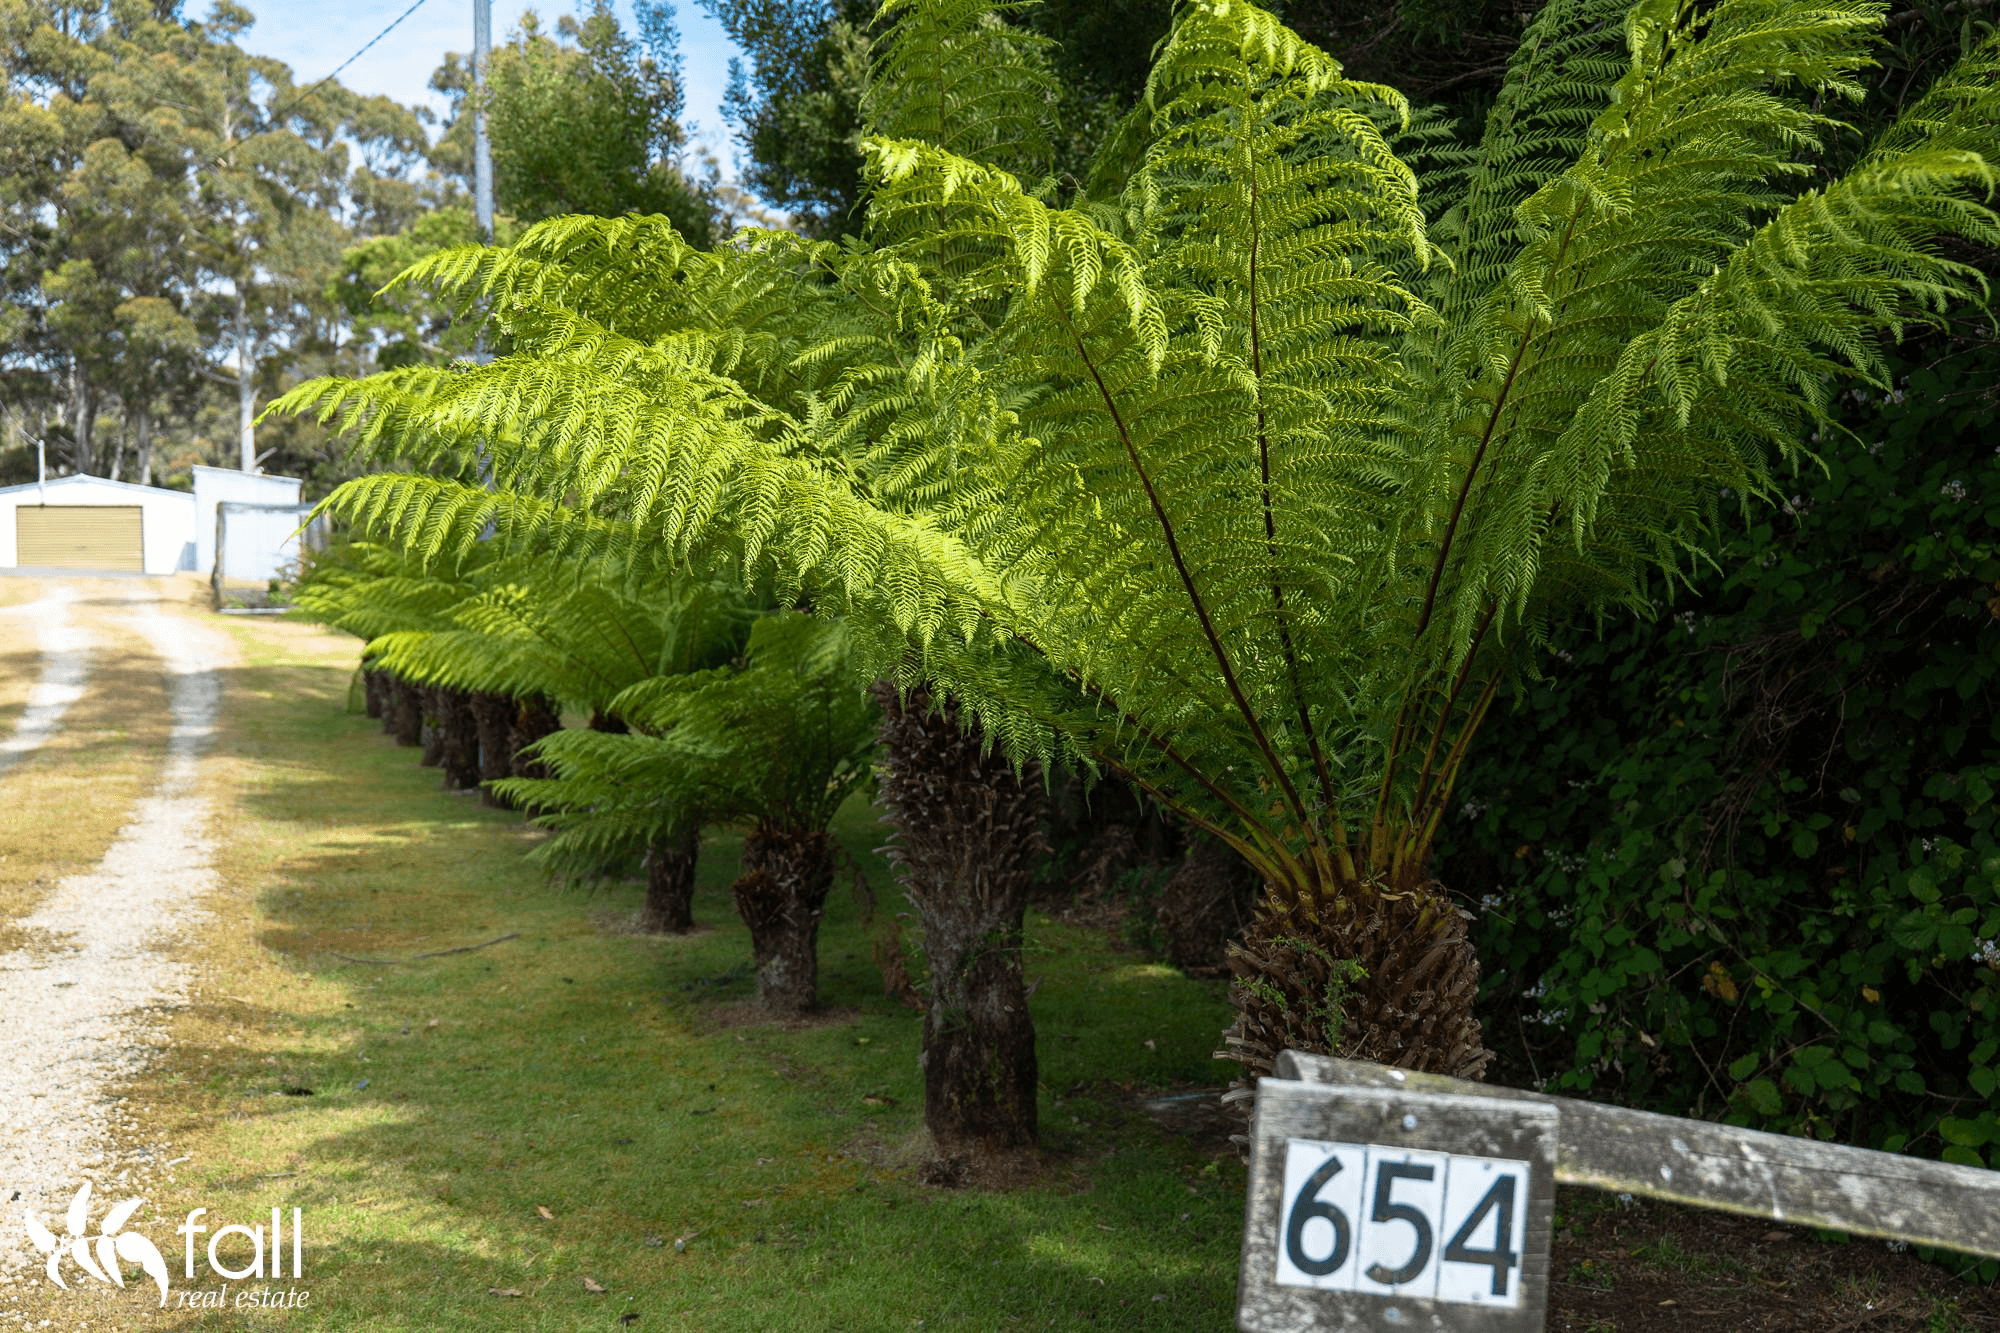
column 278, row 116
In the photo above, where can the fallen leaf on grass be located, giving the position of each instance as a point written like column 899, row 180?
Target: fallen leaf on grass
column 655, row 1242
column 1775, row 1235
column 592, row 1284
column 541, row 1211
column 878, row 1099
column 505, row 1291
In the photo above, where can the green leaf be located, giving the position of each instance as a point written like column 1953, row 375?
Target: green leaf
column 1922, row 886
column 1965, row 1133
column 1763, row 1096
column 1745, row 1066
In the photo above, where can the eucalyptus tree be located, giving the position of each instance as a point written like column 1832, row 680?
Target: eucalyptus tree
column 1253, row 469
column 585, row 119
column 171, row 204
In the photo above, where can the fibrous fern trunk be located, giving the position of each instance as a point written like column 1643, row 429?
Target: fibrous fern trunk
column 967, row 835
column 408, row 720
column 430, row 733
column 787, row 873
column 1208, row 900
column 534, row 718
column 1359, row 971
column 670, row 866
column 375, row 689
column 492, row 719
column 458, row 738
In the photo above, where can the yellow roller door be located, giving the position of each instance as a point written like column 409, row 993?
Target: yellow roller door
column 80, row 537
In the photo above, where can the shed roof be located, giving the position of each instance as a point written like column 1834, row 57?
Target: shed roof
column 81, row 479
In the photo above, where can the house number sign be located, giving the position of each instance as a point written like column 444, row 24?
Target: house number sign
column 1380, row 1208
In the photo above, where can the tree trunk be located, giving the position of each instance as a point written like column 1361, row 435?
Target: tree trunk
column 409, row 712
column 1358, row 972
column 780, row 896
column 142, row 427
column 246, row 386
column 1205, row 904
column 458, row 738
column 670, row 865
column 492, row 718
column 82, row 419
column 373, row 687
column 966, row 837
column 431, row 734
column 534, row 718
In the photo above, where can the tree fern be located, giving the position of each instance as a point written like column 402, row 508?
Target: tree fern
column 1253, row 482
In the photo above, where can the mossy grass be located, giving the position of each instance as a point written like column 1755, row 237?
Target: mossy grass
column 707, row 1167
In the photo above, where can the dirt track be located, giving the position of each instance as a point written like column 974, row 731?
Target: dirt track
column 94, row 965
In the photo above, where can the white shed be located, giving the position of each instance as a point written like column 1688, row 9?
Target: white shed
column 215, row 485
column 81, row 522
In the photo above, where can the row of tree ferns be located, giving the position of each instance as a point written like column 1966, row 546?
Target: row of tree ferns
column 699, row 709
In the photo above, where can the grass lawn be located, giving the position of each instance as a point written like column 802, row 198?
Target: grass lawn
column 492, row 1136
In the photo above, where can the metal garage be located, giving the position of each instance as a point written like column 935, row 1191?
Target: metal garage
column 91, row 523
column 81, row 536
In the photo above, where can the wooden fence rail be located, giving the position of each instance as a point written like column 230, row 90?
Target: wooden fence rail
column 1746, row 1171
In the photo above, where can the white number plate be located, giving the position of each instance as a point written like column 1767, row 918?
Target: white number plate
column 1403, row 1222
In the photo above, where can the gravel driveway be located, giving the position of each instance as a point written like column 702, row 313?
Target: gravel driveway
column 80, row 1016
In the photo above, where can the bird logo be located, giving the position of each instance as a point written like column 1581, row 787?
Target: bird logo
column 111, row 1244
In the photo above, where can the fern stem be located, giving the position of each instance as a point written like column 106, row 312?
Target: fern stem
column 1166, row 748
column 1485, row 440
column 1451, row 704
column 1291, row 656
column 1249, row 715
column 1427, row 821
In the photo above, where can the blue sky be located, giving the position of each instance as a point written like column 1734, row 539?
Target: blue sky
column 314, row 37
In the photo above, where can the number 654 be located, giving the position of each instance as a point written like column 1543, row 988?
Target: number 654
column 1362, row 1218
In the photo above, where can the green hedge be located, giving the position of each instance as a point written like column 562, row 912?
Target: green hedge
column 1741, row 862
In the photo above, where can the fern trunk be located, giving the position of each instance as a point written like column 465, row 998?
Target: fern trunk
column 1356, row 971
column 492, row 719
column 967, row 835
column 781, row 894
column 458, row 738
column 375, row 689
column 534, row 718
column 431, row 732
column 670, row 866
column 408, row 722
column 1207, row 902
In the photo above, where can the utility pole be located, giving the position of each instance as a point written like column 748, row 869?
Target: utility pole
column 482, row 150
